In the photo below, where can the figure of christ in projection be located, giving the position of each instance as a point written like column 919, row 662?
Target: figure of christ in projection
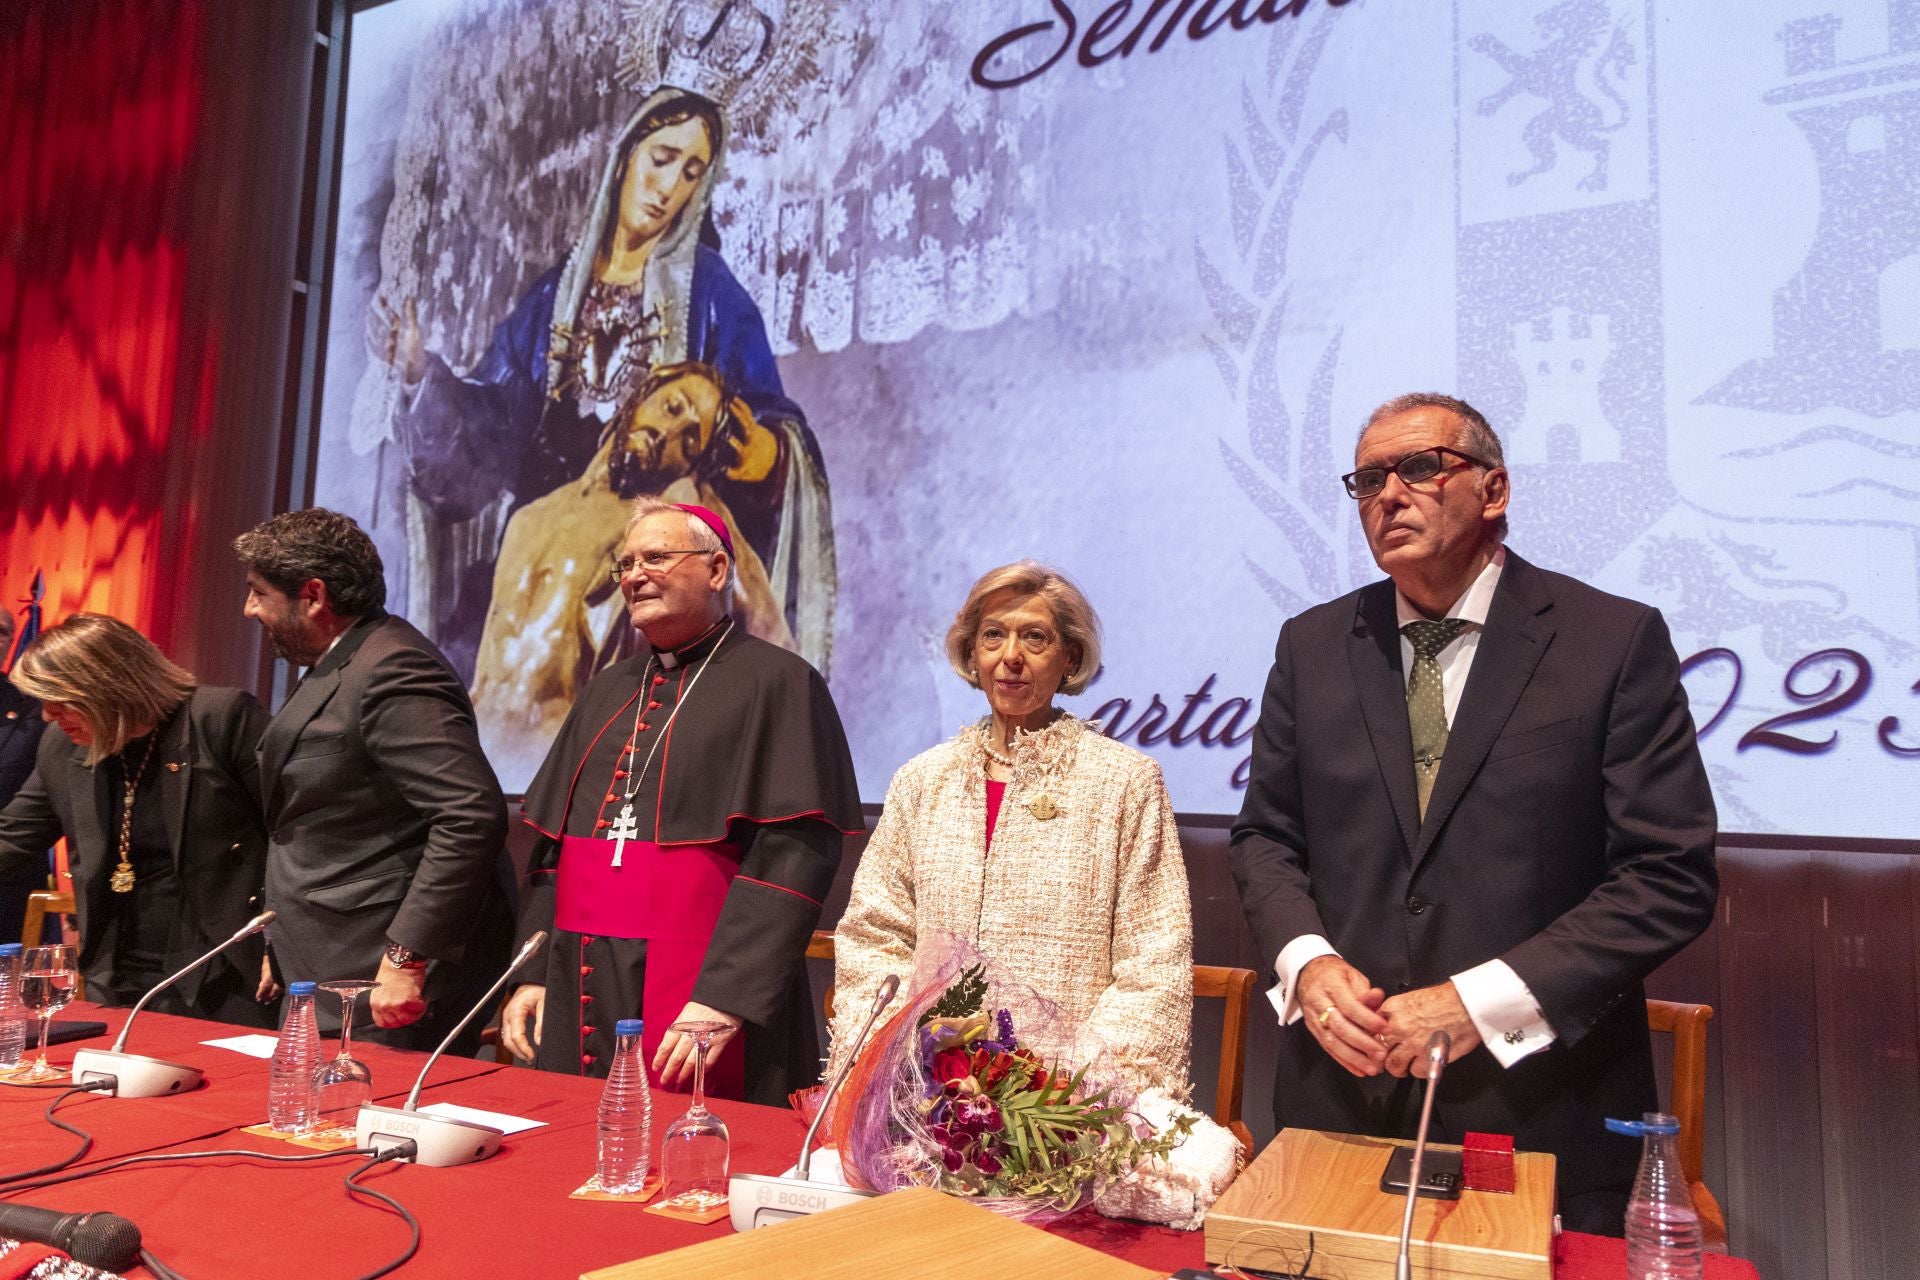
column 644, row 287
column 555, row 611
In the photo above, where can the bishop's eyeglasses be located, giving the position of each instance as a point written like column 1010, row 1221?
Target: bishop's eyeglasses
column 1412, row 469
column 651, row 562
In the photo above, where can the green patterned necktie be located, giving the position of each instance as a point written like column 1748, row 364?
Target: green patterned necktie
column 1427, row 700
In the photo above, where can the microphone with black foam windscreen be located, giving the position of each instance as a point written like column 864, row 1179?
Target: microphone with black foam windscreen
column 760, row 1200
column 97, row 1239
column 135, row 1075
column 439, row 1141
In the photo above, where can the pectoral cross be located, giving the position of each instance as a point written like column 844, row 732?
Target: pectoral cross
column 624, row 828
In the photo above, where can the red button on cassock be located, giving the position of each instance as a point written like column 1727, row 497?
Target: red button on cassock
column 658, row 680
column 619, row 774
column 586, row 1059
column 653, row 706
column 645, row 727
column 602, row 823
column 585, row 969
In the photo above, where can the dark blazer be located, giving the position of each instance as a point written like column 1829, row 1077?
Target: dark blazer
column 1570, row 833
column 20, row 730
column 386, row 824
column 210, row 793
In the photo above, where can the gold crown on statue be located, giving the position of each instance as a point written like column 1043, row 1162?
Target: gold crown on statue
column 711, row 47
column 757, row 60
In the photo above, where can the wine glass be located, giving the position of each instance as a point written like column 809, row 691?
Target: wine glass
column 343, row 1085
column 48, row 976
column 693, row 1154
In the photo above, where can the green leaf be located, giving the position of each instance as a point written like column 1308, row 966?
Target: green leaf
column 960, row 1000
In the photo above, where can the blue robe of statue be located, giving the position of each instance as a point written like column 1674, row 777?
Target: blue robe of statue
column 468, row 440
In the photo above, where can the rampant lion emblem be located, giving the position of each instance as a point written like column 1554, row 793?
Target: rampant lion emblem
column 1569, row 60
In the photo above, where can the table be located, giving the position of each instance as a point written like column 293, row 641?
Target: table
column 506, row 1216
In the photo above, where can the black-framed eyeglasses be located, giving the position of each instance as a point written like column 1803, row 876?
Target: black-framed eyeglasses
column 651, row 562
column 1412, row 469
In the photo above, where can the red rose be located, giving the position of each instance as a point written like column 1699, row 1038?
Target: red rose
column 951, row 1064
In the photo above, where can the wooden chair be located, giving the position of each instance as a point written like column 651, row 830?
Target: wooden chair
column 1687, row 1024
column 39, row 907
column 1210, row 982
column 1235, row 987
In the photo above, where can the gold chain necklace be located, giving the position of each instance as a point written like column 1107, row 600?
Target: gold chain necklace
column 122, row 881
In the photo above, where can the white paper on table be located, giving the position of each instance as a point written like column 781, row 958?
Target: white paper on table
column 258, row 1045
column 492, row 1119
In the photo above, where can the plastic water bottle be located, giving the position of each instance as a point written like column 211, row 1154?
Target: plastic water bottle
column 626, row 1114
column 1663, row 1228
column 290, row 1083
column 13, row 1014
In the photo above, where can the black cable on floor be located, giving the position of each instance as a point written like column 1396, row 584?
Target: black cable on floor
column 404, row 1149
column 86, row 1139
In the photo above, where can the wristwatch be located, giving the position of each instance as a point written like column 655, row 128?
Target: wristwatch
column 404, row 957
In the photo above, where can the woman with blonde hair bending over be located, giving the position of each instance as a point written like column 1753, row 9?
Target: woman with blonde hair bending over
column 152, row 780
column 1036, row 839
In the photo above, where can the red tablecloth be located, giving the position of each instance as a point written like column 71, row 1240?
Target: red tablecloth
column 507, row 1216
column 233, row 1095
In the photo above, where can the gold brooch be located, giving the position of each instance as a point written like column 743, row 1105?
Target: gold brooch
column 1043, row 808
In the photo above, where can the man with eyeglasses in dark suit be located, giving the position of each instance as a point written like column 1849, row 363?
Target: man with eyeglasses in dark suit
column 1476, row 805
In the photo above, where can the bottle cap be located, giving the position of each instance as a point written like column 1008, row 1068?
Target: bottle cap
column 627, row 1027
column 1654, row 1122
column 302, row 988
column 9, row 948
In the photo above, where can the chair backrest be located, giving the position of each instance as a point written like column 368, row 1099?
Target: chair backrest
column 1687, row 1024
column 820, row 947
column 39, row 907
column 1235, row 987
column 1210, row 982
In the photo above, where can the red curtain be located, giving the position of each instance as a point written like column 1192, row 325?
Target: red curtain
column 103, row 117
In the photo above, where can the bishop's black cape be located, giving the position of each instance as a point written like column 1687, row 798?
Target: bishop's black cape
column 757, row 758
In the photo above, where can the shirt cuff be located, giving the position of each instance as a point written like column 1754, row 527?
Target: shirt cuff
column 1504, row 1011
column 1292, row 959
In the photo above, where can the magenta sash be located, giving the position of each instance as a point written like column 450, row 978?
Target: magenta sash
column 671, row 896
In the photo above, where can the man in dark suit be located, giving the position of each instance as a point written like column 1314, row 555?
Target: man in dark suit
column 386, row 822
column 1476, row 805
column 20, row 730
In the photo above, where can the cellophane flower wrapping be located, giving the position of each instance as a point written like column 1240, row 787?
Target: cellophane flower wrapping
column 947, row 1095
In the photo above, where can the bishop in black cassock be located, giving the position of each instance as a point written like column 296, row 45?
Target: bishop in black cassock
column 692, row 807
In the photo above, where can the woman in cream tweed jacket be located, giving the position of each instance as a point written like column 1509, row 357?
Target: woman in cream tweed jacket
column 1080, row 893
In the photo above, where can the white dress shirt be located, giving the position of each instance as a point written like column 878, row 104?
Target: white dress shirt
column 1501, row 1005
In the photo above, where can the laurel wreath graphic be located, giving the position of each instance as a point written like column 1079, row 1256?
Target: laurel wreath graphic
column 1287, row 468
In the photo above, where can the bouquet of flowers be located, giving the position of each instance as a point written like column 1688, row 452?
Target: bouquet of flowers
column 946, row 1096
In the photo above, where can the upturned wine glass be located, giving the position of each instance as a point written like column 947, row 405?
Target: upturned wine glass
column 694, row 1152
column 48, row 976
column 343, row 1085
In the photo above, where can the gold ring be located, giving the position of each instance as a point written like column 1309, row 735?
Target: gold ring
column 1325, row 1014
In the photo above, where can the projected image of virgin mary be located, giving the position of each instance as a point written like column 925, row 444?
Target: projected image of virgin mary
column 563, row 377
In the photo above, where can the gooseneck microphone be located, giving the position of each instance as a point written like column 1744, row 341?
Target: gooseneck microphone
column 440, row 1140
column 104, row 1240
column 134, row 1075
column 758, row 1200
column 881, row 999
column 1439, row 1044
